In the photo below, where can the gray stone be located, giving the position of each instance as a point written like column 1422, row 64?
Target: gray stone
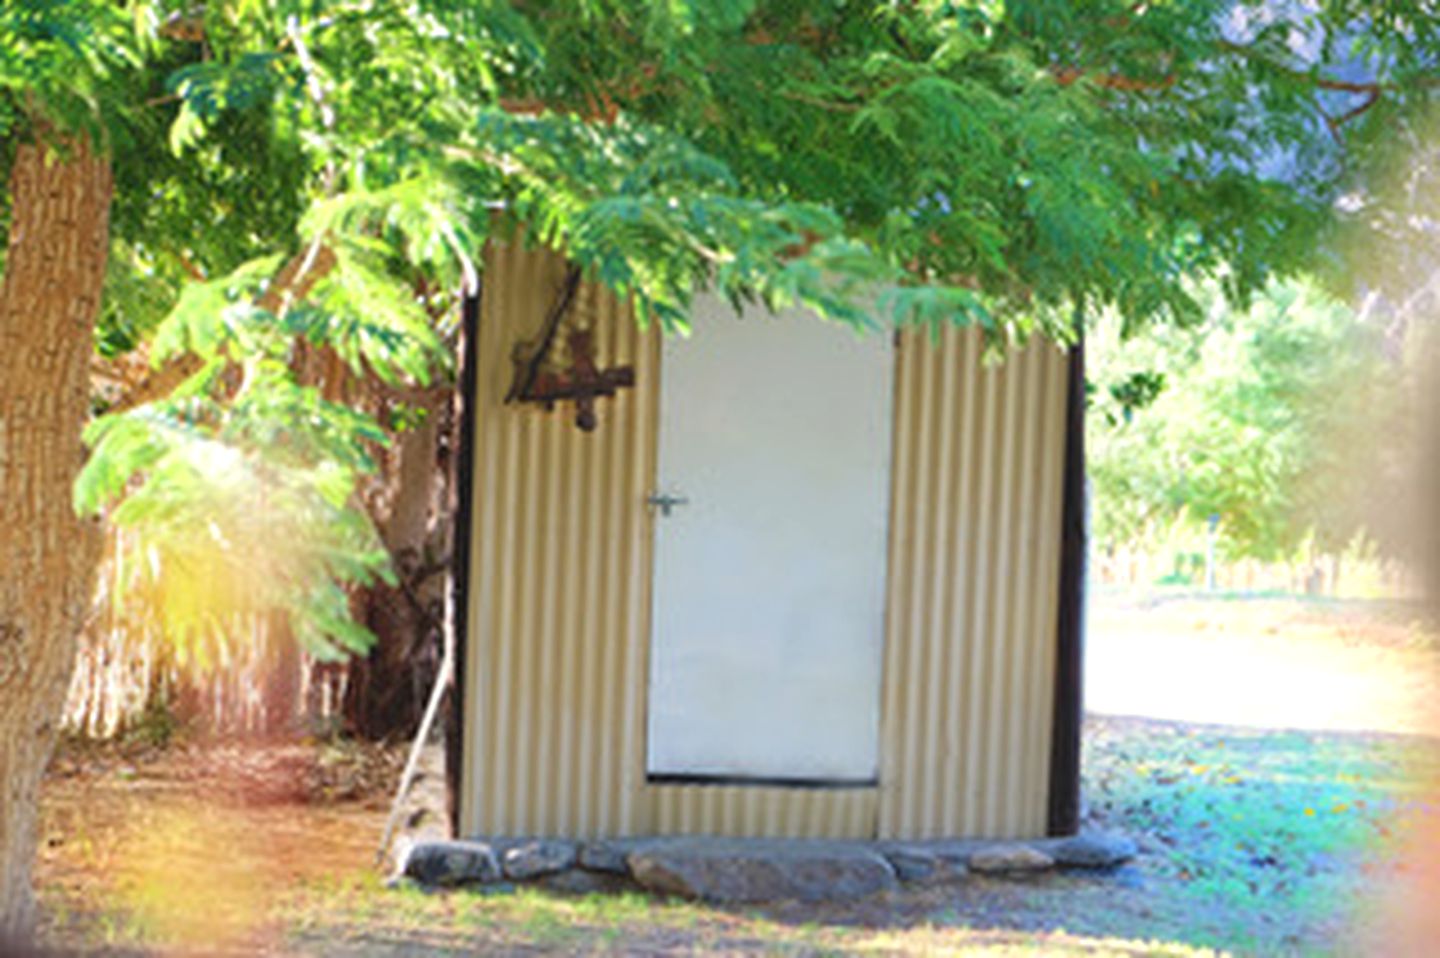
column 952, row 852
column 581, row 881
column 1009, row 859
column 913, row 866
column 1093, row 850
column 451, row 863
column 530, row 859
column 740, row 870
column 918, row 865
column 607, row 856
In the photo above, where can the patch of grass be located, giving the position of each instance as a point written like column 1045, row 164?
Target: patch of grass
column 1277, row 830
column 464, row 921
column 616, row 909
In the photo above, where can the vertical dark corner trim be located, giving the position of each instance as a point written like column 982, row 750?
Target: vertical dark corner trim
column 1064, row 800
column 465, row 401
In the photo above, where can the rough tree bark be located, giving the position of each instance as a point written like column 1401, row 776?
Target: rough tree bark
column 386, row 691
column 49, row 301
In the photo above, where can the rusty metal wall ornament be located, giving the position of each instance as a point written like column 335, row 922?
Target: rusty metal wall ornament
column 543, row 378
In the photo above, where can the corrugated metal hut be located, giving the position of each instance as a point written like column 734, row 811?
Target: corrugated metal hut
column 789, row 582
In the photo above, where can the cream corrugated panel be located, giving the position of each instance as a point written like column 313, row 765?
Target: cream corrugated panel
column 560, row 601
column 974, row 560
column 762, row 812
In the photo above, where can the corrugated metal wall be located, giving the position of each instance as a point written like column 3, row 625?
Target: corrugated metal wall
column 559, row 593
column 761, row 811
column 974, row 564
column 560, row 598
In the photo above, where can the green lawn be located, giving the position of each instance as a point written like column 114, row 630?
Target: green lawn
column 1263, row 840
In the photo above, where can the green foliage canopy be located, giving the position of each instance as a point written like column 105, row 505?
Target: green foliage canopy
column 1010, row 165
column 1287, row 421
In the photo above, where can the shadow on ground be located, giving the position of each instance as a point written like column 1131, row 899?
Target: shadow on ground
column 1255, row 840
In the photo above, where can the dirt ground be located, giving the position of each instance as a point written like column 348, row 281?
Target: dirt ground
column 194, row 845
column 1279, row 812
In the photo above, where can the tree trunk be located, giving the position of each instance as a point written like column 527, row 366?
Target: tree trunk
column 386, row 691
column 49, row 300
column 281, row 676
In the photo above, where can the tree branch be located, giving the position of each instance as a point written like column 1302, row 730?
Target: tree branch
column 1065, row 76
column 292, row 284
column 1336, row 122
column 1323, row 82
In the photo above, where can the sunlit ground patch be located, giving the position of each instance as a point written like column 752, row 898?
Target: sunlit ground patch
column 1254, row 841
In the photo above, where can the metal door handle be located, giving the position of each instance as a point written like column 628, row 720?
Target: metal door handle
column 665, row 502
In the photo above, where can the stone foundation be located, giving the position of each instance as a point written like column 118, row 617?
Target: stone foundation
column 735, row 870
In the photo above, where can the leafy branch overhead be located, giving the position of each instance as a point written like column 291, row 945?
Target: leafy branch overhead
column 987, row 154
column 295, row 176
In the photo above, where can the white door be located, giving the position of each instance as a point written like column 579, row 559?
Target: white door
column 770, row 575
